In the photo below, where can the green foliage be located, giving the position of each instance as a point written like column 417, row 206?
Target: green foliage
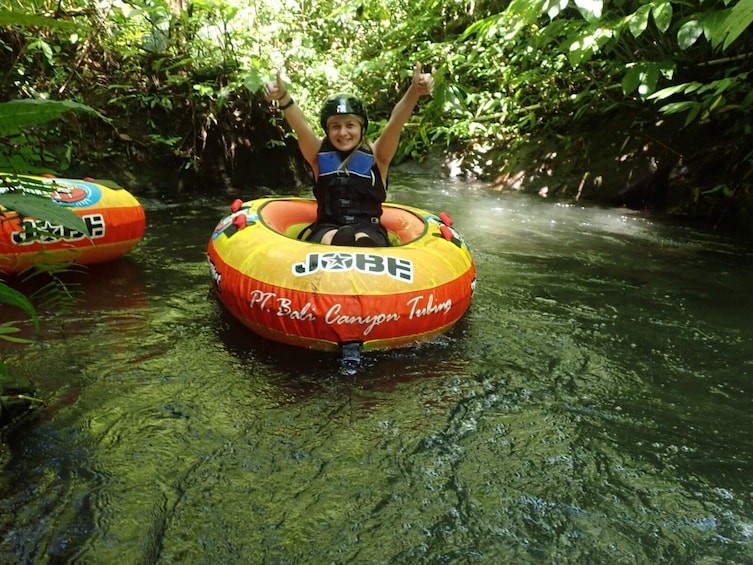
column 12, row 297
column 8, row 330
column 540, row 68
column 708, row 97
column 29, row 197
column 734, row 24
column 185, row 80
column 18, row 18
column 21, row 145
column 24, row 195
column 17, row 114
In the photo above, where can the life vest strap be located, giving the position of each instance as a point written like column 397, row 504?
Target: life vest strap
column 359, row 164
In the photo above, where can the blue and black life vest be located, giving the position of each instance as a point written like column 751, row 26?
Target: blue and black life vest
column 350, row 194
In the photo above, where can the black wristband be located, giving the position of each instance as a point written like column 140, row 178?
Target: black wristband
column 288, row 105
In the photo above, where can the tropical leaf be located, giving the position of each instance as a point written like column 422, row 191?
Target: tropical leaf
column 639, row 20
column 34, row 206
column 12, row 297
column 530, row 10
column 738, row 20
column 662, row 16
column 588, row 44
column 253, row 80
column 11, row 18
column 486, row 27
column 6, row 329
column 676, row 89
column 689, row 33
column 631, row 81
column 590, row 9
column 19, row 113
column 556, row 7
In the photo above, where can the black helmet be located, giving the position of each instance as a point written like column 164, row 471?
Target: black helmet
column 342, row 104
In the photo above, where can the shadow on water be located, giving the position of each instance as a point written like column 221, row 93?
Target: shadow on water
column 314, row 368
column 589, row 407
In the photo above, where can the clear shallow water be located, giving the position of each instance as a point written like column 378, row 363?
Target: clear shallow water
column 593, row 406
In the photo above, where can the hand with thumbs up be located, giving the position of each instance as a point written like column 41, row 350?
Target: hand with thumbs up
column 423, row 83
column 275, row 90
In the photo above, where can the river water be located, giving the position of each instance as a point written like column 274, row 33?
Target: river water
column 593, row 406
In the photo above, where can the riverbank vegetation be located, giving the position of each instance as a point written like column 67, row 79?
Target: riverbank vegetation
column 646, row 103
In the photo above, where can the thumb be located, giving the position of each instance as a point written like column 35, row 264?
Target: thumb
column 417, row 71
column 279, row 77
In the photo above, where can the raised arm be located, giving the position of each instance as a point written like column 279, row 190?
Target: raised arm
column 308, row 141
column 385, row 146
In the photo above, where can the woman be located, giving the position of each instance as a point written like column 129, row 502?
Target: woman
column 350, row 174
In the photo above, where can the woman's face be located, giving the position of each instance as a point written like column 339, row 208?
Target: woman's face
column 345, row 131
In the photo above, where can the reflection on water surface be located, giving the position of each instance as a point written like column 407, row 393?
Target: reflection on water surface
column 590, row 407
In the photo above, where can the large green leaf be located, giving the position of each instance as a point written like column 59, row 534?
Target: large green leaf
column 253, row 80
column 12, row 297
column 662, row 15
column 638, row 22
column 590, row 9
column 736, row 22
column 19, row 113
column 9, row 17
column 588, row 44
column 689, row 33
column 527, row 10
column 556, row 7
column 35, row 206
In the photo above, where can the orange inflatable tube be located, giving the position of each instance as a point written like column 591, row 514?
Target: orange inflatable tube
column 321, row 296
column 114, row 217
